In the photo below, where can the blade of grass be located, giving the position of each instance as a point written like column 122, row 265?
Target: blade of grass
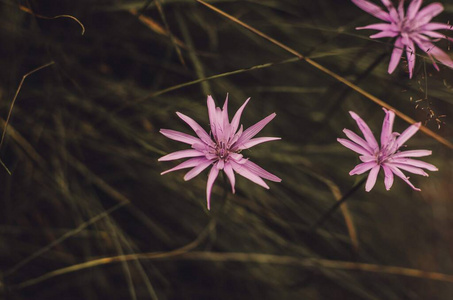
column 156, row 27
column 337, row 204
column 124, row 263
column 28, row 10
column 314, row 263
column 15, row 98
column 344, row 208
column 184, row 254
column 172, row 37
column 330, row 73
column 192, row 55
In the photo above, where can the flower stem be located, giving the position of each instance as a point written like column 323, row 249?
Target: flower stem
column 334, row 207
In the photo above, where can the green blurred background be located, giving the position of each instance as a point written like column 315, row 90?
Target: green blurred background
column 83, row 144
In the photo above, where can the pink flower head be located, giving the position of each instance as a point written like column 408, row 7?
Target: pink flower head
column 410, row 28
column 221, row 148
column 388, row 155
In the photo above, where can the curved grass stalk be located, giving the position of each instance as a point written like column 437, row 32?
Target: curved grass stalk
column 330, row 73
column 258, row 258
column 28, row 10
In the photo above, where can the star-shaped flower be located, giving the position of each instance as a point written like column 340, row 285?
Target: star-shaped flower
column 221, row 148
column 387, row 155
column 410, row 28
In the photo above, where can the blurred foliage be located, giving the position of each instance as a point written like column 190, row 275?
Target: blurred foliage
column 83, row 144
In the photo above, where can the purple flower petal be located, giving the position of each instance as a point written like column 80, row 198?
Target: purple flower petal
column 401, row 175
column 371, row 180
column 362, row 168
column 181, row 154
column 354, row 147
column 358, row 140
column 252, row 131
column 387, row 127
column 187, row 164
column 396, row 55
column 408, row 168
column 196, row 128
column 392, row 11
column 367, row 134
column 410, row 54
column 441, row 56
column 256, row 141
column 212, row 114
column 257, row 170
column 428, row 12
column 401, row 10
column 407, row 134
column 413, row 8
column 211, row 178
column 413, row 153
column 244, row 171
column 384, row 34
column 365, row 158
column 379, row 26
column 414, row 163
column 436, row 26
column 426, row 46
column 372, row 9
column 230, row 174
column 179, row 136
column 225, row 119
column 434, row 34
column 388, row 180
column 237, row 117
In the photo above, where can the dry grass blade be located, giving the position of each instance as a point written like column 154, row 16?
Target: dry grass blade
column 28, row 10
column 156, row 27
column 172, row 37
column 25, row 145
column 331, row 73
column 192, row 55
column 15, row 98
column 259, row 258
column 314, row 263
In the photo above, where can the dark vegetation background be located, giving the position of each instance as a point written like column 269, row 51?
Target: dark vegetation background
column 83, row 144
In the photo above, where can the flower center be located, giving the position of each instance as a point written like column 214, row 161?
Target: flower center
column 406, row 26
column 221, row 151
column 380, row 157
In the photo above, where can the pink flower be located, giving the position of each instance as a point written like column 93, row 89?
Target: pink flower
column 410, row 28
column 388, row 155
column 221, row 148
